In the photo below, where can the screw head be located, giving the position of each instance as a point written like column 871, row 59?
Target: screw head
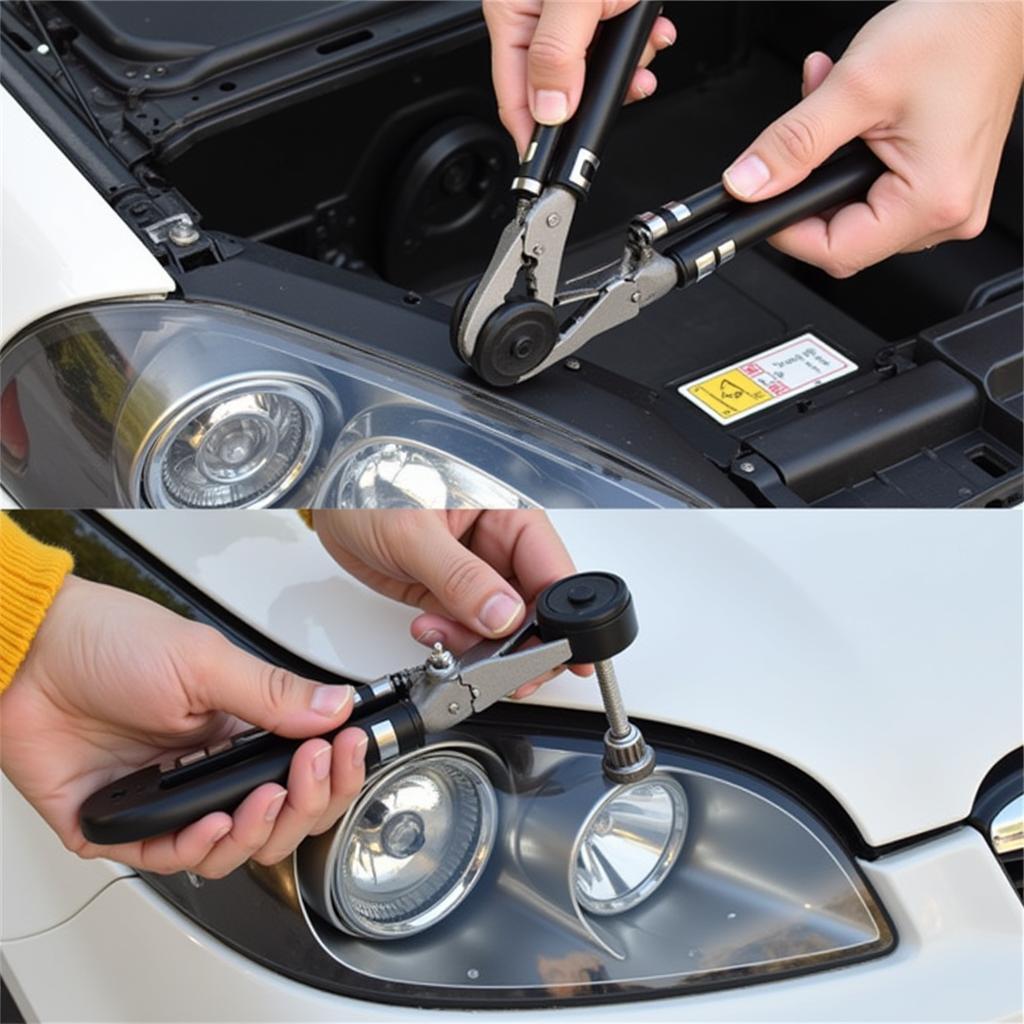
column 453, row 708
column 182, row 234
column 438, row 657
column 553, row 220
column 572, row 364
column 130, row 73
column 747, row 467
column 538, row 250
column 635, row 297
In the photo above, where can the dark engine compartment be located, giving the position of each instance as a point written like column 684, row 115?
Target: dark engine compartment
column 365, row 137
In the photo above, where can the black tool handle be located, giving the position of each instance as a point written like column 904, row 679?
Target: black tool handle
column 536, row 165
column 683, row 214
column 613, row 58
column 846, row 178
column 151, row 802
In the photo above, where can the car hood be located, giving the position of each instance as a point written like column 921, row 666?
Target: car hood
column 846, row 644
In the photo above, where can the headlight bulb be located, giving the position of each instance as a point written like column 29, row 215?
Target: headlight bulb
column 413, row 847
column 239, row 446
column 628, row 845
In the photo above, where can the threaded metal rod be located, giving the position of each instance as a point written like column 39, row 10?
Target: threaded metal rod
column 618, row 720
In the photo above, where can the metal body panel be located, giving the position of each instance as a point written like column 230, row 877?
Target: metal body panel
column 63, row 245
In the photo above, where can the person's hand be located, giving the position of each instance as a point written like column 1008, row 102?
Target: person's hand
column 538, row 58
column 932, row 88
column 113, row 682
column 472, row 573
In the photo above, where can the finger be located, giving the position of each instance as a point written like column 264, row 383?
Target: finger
column 816, row 69
column 309, row 792
column 556, row 61
column 508, row 73
column 348, row 773
column 466, row 586
column 860, row 234
column 837, row 111
column 226, row 678
column 164, row 855
column 643, row 85
column 431, row 628
column 523, row 545
column 663, row 35
column 252, row 824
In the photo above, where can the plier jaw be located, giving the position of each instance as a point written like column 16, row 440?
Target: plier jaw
column 513, row 323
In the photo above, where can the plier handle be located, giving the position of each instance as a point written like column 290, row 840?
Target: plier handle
column 397, row 712
column 517, row 320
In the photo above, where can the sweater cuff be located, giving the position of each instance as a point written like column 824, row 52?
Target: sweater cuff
column 31, row 573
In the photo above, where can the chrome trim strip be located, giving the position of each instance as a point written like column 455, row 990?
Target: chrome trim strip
column 705, row 265
column 531, row 185
column 726, row 251
column 576, row 176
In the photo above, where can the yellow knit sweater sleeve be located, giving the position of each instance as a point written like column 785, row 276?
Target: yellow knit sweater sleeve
column 30, row 576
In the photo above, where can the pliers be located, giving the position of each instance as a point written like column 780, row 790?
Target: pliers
column 397, row 712
column 516, row 321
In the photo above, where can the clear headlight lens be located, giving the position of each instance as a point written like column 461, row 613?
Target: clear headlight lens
column 185, row 405
column 402, row 474
column 628, row 845
column 413, row 847
column 241, row 446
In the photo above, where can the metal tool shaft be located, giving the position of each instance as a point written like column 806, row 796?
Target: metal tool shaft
column 614, row 709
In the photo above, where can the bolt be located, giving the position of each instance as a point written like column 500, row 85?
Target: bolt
column 553, row 220
column 635, row 297
column 42, row 49
column 538, row 250
column 747, row 467
column 612, row 698
column 453, row 708
column 438, row 657
column 183, row 234
column 572, row 364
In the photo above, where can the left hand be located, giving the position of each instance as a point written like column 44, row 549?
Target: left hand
column 472, row 573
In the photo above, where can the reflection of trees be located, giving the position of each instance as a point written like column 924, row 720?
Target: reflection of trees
column 90, row 372
column 95, row 559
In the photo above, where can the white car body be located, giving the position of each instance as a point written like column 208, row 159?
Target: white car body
column 846, row 644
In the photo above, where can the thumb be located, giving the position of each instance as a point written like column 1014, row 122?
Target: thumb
column 829, row 116
column 557, row 59
column 467, row 588
column 266, row 695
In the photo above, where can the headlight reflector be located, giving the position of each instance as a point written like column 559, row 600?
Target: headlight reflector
column 243, row 445
column 413, row 847
column 628, row 845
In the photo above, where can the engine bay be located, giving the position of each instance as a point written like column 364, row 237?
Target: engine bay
column 359, row 142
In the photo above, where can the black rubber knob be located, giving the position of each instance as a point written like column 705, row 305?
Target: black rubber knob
column 593, row 610
column 514, row 339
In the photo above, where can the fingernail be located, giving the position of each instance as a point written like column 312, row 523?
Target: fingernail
column 665, row 39
column 430, row 637
column 274, row 807
column 527, row 691
column 330, row 701
column 220, row 833
column 359, row 753
column 321, row 764
column 748, row 176
column 499, row 612
column 550, row 106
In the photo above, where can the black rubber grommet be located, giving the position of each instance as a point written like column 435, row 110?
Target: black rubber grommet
column 514, row 339
column 458, row 312
column 593, row 610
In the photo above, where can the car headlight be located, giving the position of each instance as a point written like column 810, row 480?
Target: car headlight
column 410, row 850
column 566, row 889
column 193, row 406
column 628, row 845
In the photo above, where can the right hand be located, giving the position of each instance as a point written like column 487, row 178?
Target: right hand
column 539, row 58
column 931, row 88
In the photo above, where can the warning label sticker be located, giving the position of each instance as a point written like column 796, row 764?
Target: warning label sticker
column 767, row 378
